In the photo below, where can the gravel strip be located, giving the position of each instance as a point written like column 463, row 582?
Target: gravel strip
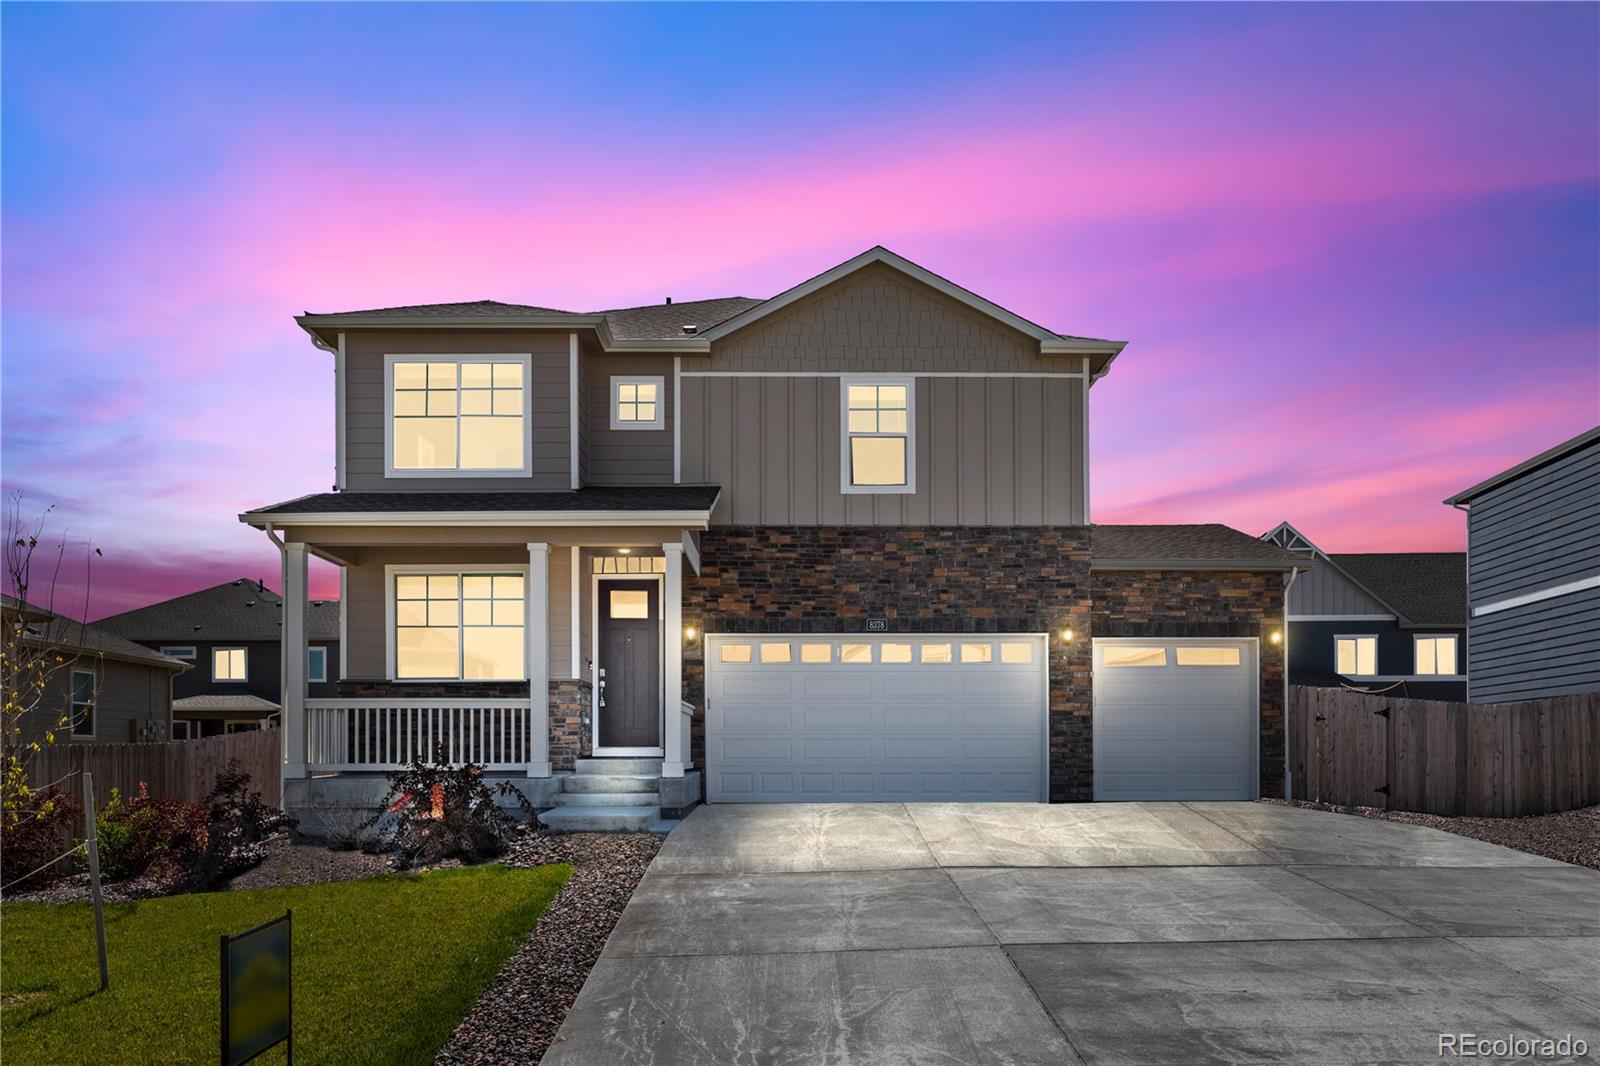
column 1572, row 836
column 526, row 1003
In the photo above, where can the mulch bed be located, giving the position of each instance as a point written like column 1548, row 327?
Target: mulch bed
column 1572, row 836
column 520, row 1011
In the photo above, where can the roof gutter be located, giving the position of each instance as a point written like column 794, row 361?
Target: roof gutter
column 566, row 323
column 1194, row 564
column 505, row 519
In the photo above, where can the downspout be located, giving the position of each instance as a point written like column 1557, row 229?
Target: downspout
column 1467, row 641
column 1288, row 765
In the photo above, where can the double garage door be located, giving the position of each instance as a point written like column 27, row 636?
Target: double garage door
column 943, row 718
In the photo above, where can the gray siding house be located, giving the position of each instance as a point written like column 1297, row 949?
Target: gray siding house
column 831, row 545
column 1533, row 574
column 1391, row 622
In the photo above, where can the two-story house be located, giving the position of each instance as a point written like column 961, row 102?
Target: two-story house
column 231, row 637
column 1392, row 622
column 834, row 545
column 1533, row 572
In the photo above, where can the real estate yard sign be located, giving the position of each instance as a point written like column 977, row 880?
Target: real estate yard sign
column 257, row 997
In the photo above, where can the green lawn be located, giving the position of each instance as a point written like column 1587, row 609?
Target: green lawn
column 383, row 968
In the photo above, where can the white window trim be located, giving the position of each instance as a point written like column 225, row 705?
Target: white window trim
column 845, row 485
column 94, row 701
column 311, row 677
column 525, row 358
column 179, row 651
column 393, row 570
column 188, row 725
column 1337, row 637
column 660, row 382
column 1453, row 637
column 229, row 680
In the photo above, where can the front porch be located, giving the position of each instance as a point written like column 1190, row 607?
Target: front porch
column 543, row 653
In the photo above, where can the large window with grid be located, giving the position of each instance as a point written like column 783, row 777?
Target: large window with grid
column 465, row 626
column 452, row 416
column 875, row 445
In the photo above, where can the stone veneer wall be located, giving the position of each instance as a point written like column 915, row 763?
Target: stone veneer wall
column 1164, row 603
column 921, row 580
column 570, row 734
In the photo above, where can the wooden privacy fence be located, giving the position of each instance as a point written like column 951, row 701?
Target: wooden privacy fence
column 1491, row 760
column 177, row 769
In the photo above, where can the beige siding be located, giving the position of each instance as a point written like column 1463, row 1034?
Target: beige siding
column 364, row 416
column 989, row 451
column 879, row 320
column 625, row 456
column 1323, row 590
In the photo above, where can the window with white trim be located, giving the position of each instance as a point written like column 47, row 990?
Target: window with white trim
column 229, row 664
column 1355, row 656
column 452, row 416
column 459, row 626
column 317, row 663
column 875, row 435
column 82, row 709
column 638, row 403
column 1436, row 655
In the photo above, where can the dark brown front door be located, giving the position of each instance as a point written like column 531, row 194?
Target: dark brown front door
column 630, row 664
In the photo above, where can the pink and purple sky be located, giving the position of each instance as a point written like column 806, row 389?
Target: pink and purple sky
column 1355, row 249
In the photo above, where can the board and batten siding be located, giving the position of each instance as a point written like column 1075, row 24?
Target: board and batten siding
column 625, row 456
column 551, row 440
column 1536, row 532
column 1322, row 590
column 1002, row 451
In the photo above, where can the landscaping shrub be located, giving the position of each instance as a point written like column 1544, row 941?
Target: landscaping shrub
column 145, row 835
column 434, row 811
column 237, row 824
column 36, row 828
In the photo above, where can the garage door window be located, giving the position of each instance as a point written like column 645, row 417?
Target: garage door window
column 1016, row 653
column 816, row 653
column 735, row 653
column 977, row 653
column 935, row 653
column 895, row 653
column 1208, row 656
column 1132, row 655
column 855, row 653
column 774, row 653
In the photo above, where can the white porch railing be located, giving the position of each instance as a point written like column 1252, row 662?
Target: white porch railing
column 378, row 734
column 685, row 731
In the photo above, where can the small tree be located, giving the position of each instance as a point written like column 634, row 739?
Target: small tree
column 38, row 645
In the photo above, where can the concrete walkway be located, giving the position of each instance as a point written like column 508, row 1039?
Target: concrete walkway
column 1111, row 933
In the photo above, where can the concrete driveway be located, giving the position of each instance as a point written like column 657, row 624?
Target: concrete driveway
column 1110, row 933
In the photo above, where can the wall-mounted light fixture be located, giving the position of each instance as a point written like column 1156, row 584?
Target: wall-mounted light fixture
column 690, row 633
column 624, row 551
column 1276, row 637
column 1066, row 635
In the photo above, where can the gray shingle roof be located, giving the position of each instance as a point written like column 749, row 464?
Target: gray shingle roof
column 234, row 610
column 1428, row 588
column 226, row 702
column 656, row 321
column 1212, row 545
column 54, row 630
column 590, row 498
column 463, row 308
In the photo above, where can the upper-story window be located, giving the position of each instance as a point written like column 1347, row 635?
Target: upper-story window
column 1356, row 656
column 876, row 433
column 450, row 416
column 317, row 663
column 1436, row 655
column 636, row 403
column 230, row 664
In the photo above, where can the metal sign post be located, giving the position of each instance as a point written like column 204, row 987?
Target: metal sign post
column 93, row 846
column 258, row 991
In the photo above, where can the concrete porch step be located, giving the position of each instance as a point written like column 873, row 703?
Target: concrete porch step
column 606, row 799
column 611, row 783
column 618, row 766
column 600, row 819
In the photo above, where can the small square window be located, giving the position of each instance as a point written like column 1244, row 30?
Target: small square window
column 935, row 653
column 1016, row 652
column 894, row 653
column 816, row 653
column 774, row 653
column 735, row 653
column 977, row 653
column 855, row 653
column 636, row 403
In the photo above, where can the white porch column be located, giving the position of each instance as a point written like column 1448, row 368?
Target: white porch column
column 538, row 658
column 672, row 663
column 294, row 660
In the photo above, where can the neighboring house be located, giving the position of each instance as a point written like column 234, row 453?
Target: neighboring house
column 1379, row 621
column 107, row 690
column 1533, row 574
column 832, row 545
column 230, row 634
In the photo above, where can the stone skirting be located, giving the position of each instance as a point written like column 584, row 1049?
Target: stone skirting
column 571, row 735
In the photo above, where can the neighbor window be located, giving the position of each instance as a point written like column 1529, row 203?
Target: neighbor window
column 317, row 664
column 637, row 403
column 82, row 710
column 1355, row 656
column 1436, row 655
column 459, row 626
column 228, row 664
column 466, row 415
column 876, row 454
column 183, row 729
column 181, row 651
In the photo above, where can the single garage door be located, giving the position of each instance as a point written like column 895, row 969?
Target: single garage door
column 1175, row 719
column 851, row 718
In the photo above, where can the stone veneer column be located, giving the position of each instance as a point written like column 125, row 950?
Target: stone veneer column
column 538, row 658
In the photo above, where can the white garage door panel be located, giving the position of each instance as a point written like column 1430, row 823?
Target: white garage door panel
column 862, row 731
column 1174, row 732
